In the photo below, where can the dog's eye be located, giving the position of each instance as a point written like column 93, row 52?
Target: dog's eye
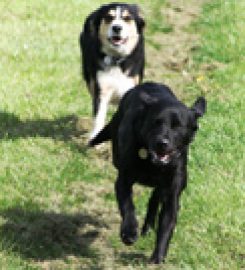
column 108, row 18
column 127, row 18
column 175, row 122
column 175, row 125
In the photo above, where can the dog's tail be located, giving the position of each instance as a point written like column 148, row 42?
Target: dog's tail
column 102, row 136
column 107, row 133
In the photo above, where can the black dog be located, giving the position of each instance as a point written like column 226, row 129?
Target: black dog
column 112, row 46
column 151, row 133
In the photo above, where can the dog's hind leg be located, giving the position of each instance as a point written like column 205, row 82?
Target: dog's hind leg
column 151, row 214
column 129, row 223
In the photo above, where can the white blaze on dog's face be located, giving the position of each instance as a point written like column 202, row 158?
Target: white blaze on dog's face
column 118, row 32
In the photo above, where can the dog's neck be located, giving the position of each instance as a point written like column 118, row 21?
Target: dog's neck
column 108, row 60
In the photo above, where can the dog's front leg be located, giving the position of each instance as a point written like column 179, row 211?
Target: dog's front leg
column 167, row 222
column 129, row 223
column 100, row 109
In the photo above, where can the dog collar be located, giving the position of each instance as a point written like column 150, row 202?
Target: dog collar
column 142, row 153
column 112, row 61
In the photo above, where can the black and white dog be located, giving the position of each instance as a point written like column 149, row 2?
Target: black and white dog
column 112, row 46
column 151, row 133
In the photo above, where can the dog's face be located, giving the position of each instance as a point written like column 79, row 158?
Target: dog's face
column 167, row 131
column 120, row 27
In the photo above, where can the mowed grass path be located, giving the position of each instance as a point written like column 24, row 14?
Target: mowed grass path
column 52, row 188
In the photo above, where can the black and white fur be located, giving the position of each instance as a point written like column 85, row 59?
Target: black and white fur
column 112, row 47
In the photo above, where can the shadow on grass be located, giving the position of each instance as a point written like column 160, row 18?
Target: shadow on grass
column 48, row 236
column 135, row 258
column 66, row 128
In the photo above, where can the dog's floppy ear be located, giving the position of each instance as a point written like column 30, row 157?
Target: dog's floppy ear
column 199, row 107
column 91, row 23
column 140, row 18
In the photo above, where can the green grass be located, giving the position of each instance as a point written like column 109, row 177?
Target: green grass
column 56, row 198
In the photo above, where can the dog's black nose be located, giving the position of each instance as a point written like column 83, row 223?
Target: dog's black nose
column 161, row 144
column 116, row 28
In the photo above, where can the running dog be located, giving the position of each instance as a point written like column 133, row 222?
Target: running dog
column 151, row 133
column 112, row 50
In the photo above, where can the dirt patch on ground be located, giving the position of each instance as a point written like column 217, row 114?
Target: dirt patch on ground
column 170, row 62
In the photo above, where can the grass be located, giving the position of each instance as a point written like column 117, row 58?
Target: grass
column 57, row 206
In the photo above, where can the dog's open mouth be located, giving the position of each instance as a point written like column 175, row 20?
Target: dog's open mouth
column 117, row 40
column 163, row 157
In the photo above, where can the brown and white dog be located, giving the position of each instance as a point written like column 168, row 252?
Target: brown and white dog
column 112, row 47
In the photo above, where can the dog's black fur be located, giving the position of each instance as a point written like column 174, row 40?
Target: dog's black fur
column 151, row 133
column 101, row 55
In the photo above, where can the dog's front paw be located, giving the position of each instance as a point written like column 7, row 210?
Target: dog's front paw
column 155, row 259
column 129, row 232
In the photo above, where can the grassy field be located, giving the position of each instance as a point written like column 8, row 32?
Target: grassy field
column 57, row 206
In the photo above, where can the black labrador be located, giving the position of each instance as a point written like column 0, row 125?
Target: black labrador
column 151, row 133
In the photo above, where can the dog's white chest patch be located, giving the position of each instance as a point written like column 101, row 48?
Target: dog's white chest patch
column 114, row 82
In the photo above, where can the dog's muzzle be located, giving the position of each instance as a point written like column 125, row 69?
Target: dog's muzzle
column 163, row 158
column 158, row 158
column 162, row 153
column 117, row 40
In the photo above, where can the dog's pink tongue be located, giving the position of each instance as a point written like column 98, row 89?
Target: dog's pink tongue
column 164, row 158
